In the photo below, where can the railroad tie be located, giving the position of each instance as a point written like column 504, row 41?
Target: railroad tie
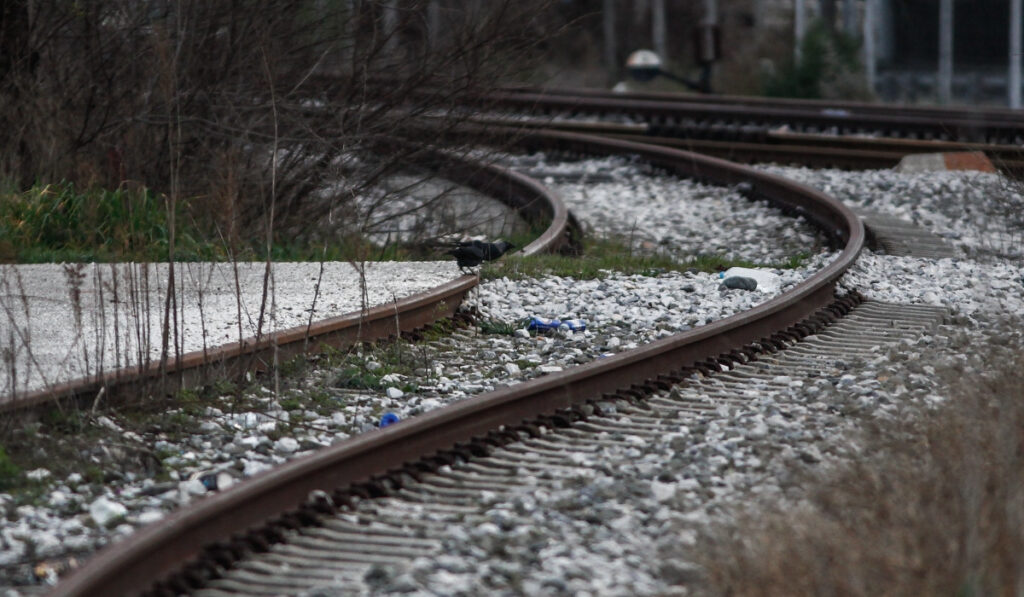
column 413, row 521
column 894, row 236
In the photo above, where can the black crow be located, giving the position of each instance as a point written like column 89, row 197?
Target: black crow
column 491, row 251
column 467, row 257
column 473, row 253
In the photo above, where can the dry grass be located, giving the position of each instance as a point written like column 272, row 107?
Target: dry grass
column 935, row 507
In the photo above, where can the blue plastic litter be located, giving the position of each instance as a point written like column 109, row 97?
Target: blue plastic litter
column 543, row 323
column 388, row 419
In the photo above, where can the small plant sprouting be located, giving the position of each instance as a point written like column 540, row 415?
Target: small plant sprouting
column 497, row 327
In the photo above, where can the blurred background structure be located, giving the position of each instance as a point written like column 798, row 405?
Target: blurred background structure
column 908, row 51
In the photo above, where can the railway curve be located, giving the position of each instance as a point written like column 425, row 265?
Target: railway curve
column 218, row 530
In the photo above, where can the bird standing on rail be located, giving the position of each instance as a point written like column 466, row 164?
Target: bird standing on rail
column 472, row 253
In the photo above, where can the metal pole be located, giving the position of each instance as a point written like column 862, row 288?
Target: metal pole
column 799, row 25
column 870, row 17
column 945, row 82
column 710, row 12
column 658, row 30
column 611, row 53
column 1013, row 80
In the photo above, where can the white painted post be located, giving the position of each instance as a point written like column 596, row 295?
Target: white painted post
column 658, row 29
column 710, row 12
column 870, row 19
column 1013, row 78
column 799, row 25
column 945, row 80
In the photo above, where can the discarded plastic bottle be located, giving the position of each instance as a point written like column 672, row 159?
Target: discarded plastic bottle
column 215, row 481
column 388, row 419
column 576, row 325
column 543, row 323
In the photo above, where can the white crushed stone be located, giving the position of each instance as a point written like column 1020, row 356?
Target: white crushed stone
column 624, row 520
column 49, row 343
column 657, row 212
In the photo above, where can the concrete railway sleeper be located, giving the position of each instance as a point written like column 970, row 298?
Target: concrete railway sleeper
column 309, row 558
column 377, row 474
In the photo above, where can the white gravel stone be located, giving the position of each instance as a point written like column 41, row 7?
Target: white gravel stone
column 105, row 512
column 60, row 353
column 286, row 445
column 642, row 501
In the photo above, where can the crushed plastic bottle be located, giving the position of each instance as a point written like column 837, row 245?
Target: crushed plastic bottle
column 543, row 323
column 388, row 419
column 767, row 281
column 215, row 481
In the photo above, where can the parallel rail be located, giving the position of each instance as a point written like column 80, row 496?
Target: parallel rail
column 978, row 114
column 535, row 202
column 959, row 125
column 216, row 530
column 811, row 132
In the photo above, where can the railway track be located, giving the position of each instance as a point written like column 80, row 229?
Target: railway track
column 193, row 369
column 372, row 502
column 223, row 529
column 813, row 133
column 415, row 519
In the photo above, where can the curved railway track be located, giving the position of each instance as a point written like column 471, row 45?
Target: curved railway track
column 521, row 193
column 222, row 530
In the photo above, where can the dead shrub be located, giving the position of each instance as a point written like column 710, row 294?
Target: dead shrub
column 246, row 107
column 935, row 507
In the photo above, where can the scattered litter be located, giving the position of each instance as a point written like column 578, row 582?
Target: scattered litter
column 388, row 419
column 740, row 282
column 767, row 281
column 216, row 481
column 543, row 323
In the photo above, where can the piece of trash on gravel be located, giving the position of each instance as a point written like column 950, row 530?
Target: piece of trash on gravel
column 767, row 281
column 543, row 323
column 740, row 282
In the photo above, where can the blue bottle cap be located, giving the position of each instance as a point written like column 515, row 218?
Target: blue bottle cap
column 388, row 419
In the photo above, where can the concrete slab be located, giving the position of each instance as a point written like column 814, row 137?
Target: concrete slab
column 60, row 322
column 953, row 160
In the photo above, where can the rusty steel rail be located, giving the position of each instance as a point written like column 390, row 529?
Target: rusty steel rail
column 977, row 114
column 532, row 199
column 248, row 514
column 747, row 136
column 751, row 123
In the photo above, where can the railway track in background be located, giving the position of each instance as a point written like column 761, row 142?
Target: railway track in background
column 196, row 545
column 814, row 133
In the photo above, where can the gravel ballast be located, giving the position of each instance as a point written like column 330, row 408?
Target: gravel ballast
column 638, row 544
column 51, row 314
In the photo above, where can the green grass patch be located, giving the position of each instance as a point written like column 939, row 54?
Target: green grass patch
column 501, row 328
column 60, row 222
column 10, row 473
column 603, row 256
